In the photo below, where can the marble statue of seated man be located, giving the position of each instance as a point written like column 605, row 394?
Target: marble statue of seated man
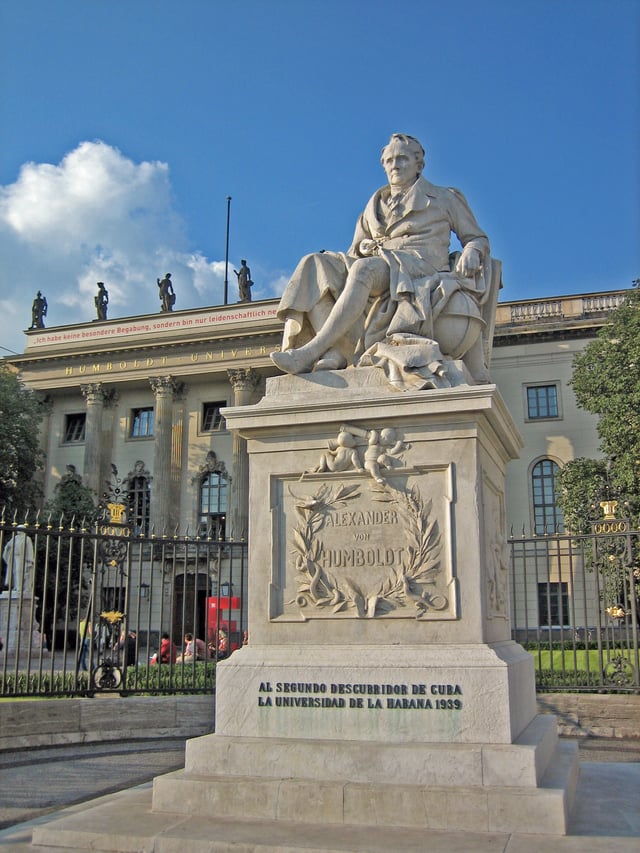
column 396, row 283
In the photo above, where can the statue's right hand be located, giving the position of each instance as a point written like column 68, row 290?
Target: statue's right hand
column 369, row 247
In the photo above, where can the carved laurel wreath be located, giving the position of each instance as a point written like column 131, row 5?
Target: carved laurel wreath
column 408, row 582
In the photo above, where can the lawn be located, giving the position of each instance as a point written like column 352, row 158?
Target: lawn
column 580, row 659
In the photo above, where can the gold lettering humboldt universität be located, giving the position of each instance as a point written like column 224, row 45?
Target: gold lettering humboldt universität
column 165, row 361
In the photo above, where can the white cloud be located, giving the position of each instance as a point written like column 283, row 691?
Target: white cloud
column 97, row 216
column 279, row 284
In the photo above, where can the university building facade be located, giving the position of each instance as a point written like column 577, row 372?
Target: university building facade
column 146, row 394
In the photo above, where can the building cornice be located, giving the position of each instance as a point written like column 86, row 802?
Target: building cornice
column 242, row 335
column 221, row 322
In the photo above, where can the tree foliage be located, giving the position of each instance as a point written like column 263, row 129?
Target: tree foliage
column 71, row 500
column 606, row 382
column 21, row 413
column 62, row 553
column 582, row 484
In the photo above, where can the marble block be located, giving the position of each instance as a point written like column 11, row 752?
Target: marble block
column 396, row 694
column 376, row 517
column 380, row 681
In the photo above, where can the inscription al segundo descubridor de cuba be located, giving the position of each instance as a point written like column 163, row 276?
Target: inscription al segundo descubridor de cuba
column 355, row 695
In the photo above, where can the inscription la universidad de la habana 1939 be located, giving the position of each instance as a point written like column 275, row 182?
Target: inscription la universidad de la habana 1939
column 404, row 697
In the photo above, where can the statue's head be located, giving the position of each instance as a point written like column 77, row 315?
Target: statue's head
column 408, row 144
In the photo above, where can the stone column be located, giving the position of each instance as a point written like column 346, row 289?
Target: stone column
column 244, row 382
column 96, row 396
column 165, row 389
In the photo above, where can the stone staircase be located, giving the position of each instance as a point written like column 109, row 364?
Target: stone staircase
column 267, row 794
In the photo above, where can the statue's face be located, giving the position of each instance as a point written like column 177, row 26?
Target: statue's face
column 400, row 166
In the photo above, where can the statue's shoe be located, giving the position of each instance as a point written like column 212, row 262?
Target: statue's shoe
column 331, row 361
column 297, row 361
column 290, row 361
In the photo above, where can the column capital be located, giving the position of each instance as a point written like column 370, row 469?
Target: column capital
column 97, row 392
column 243, row 378
column 166, row 386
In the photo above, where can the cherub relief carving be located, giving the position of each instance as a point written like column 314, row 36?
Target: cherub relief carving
column 382, row 449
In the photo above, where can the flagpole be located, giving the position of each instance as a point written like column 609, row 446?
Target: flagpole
column 226, row 259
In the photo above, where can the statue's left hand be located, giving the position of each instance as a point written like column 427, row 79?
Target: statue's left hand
column 469, row 262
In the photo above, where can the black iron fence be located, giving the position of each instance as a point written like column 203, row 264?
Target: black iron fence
column 575, row 602
column 84, row 610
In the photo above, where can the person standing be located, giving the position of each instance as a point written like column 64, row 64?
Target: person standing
column 85, row 643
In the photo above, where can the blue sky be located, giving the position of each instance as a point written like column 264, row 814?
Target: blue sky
column 125, row 126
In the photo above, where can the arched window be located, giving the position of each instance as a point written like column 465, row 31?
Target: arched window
column 547, row 516
column 213, row 505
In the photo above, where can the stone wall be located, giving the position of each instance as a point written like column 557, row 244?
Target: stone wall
column 54, row 722
column 593, row 714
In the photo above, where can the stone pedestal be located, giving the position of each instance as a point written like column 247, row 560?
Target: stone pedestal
column 380, row 683
column 18, row 627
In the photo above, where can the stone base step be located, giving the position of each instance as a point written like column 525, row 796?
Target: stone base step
column 520, row 764
column 293, row 815
column 208, row 835
column 543, row 809
column 125, row 823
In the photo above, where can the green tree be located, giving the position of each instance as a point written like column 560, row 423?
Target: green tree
column 21, row 413
column 606, row 382
column 62, row 552
column 71, row 500
column 582, row 485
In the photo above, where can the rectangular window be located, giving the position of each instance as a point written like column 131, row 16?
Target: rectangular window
column 74, row 426
column 142, row 422
column 542, row 402
column 553, row 604
column 139, row 505
column 212, row 420
column 213, row 505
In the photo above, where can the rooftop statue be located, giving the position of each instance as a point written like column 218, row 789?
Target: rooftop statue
column 166, row 293
column 397, row 299
column 38, row 311
column 244, row 282
column 101, row 301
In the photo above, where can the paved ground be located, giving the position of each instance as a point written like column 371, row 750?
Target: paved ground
column 36, row 782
